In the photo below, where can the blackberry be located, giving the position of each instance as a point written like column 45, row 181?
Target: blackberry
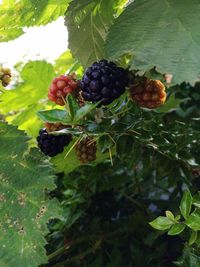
column 86, row 150
column 60, row 87
column 148, row 93
column 5, row 76
column 103, row 82
column 52, row 145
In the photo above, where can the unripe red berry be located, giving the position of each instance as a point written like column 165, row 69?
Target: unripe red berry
column 148, row 93
column 60, row 87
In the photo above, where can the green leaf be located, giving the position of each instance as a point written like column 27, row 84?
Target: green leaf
column 186, row 204
column 72, row 105
column 193, row 221
column 146, row 30
column 88, row 22
column 66, row 63
column 55, row 115
column 24, row 206
column 196, row 200
column 71, row 162
column 161, row 223
column 178, row 217
column 14, row 15
column 193, row 237
column 169, row 215
column 36, row 76
column 27, row 120
column 176, row 229
column 189, row 259
column 83, row 111
column 170, row 104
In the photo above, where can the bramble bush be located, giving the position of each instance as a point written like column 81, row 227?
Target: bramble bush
column 100, row 151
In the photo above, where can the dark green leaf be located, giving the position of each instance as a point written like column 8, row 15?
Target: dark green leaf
column 88, row 22
column 146, row 30
column 83, row 111
column 55, row 115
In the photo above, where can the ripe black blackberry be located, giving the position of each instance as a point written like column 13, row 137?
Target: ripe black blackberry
column 86, row 150
column 52, row 145
column 104, row 82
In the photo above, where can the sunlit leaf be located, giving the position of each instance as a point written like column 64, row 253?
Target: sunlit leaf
column 88, row 22
column 14, row 15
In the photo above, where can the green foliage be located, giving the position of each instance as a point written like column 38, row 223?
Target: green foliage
column 14, row 15
column 88, row 23
column 24, row 99
column 36, row 77
column 74, row 115
column 25, row 179
column 66, row 62
column 161, row 34
column 186, row 204
column 175, row 226
column 162, row 223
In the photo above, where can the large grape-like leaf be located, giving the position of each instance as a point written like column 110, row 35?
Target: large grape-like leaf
column 36, row 76
column 88, row 22
column 25, row 179
column 27, row 119
column 164, row 34
column 14, row 15
column 67, row 64
column 25, row 99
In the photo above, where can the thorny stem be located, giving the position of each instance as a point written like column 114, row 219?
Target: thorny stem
column 86, row 252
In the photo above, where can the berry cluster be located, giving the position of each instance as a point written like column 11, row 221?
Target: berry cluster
column 148, row 93
column 103, row 82
column 86, row 150
column 5, row 76
column 52, row 145
column 60, row 87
